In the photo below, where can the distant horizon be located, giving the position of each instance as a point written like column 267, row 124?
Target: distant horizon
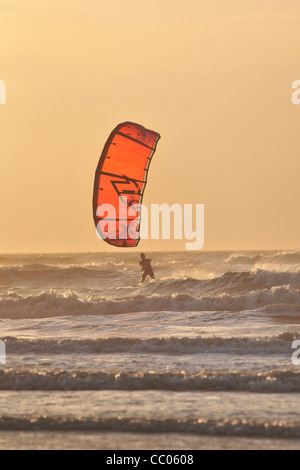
column 128, row 251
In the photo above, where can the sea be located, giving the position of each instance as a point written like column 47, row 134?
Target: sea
column 202, row 357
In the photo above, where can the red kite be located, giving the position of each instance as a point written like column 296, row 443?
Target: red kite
column 120, row 181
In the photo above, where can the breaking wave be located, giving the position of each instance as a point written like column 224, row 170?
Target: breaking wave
column 220, row 427
column 229, row 282
column 279, row 344
column 65, row 303
column 281, row 257
column 274, row 381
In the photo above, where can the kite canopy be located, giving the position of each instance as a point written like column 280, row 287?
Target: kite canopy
column 120, row 181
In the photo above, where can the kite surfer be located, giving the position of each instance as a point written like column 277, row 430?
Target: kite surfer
column 146, row 267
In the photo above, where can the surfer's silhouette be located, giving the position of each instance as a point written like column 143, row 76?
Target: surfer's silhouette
column 146, row 267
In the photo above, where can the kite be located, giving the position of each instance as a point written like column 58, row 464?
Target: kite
column 120, row 182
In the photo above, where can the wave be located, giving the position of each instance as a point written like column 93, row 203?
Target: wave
column 25, row 259
column 43, row 274
column 283, row 429
column 92, row 276
column 228, row 282
column 65, row 303
column 281, row 257
column 274, row 381
column 280, row 344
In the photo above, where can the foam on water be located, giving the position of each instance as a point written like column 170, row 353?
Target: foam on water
column 212, row 328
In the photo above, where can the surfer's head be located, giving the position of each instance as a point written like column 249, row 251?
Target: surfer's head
column 143, row 255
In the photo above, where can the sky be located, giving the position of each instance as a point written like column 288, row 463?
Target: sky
column 213, row 78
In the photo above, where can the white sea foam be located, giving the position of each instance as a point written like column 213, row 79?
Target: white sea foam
column 58, row 303
column 210, row 325
column 283, row 429
column 276, row 344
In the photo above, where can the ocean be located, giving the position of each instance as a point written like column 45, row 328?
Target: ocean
column 199, row 358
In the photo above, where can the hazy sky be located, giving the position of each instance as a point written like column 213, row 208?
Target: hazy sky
column 213, row 78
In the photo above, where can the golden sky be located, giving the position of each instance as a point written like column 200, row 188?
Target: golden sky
column 213, row 78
